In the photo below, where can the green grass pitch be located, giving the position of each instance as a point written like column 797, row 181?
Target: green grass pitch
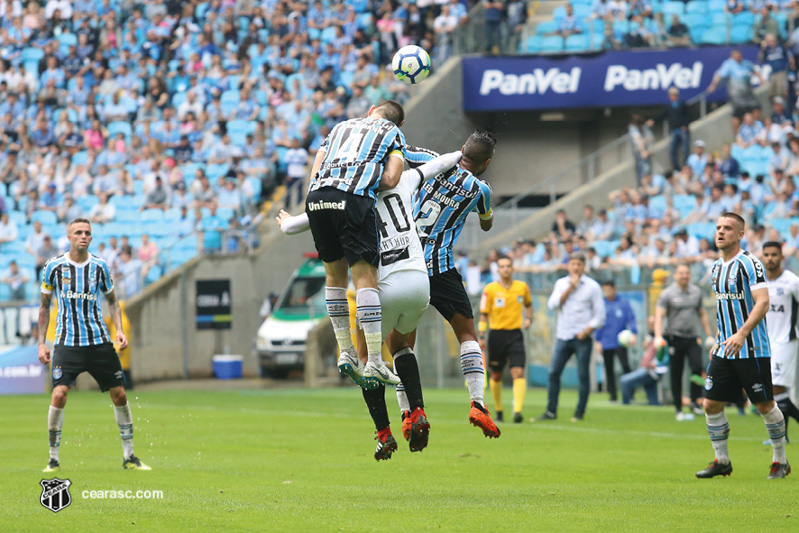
column 300, row 460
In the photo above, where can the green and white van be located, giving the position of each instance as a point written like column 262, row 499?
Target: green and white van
column 281, row 339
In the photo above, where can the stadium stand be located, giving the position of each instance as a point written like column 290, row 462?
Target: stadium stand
column 157, row 105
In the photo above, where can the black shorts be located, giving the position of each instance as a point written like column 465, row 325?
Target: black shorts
column 726, row 378
column 343, row 225
column 448, row 295
column 101, row 361
column 505, row 346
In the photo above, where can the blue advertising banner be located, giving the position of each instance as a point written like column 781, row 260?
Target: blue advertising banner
column 21, row 372
column 615, row 78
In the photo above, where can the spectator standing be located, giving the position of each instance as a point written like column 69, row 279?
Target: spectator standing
column 8, row 229
column 619, row 316
column 494, row 12
column 780, row 60
column 678, row 118
column 580, row 308
column 679, row 35
column 641, row 139
column 737, row 72
column 296, row 159
column 16, row 280
column 698, row 159
column 680, row 305
column 516, row 21
column 45, row 252
column 128, row 275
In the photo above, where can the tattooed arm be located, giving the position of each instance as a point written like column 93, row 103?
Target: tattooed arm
column 44, row 323
column 116, row 317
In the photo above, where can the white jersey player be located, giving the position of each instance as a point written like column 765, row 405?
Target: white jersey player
column 781, row 320
column 404, row 289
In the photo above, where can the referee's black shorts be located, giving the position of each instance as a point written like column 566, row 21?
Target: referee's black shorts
column 101, row 361
column 343, row 225
column 726, row 378
column 448, row 295
column 505, row 346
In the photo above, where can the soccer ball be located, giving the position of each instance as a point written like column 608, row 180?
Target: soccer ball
column 626, row 338
column 411, row 64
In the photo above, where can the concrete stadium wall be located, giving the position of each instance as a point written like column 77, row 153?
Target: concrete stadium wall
column 160, row 313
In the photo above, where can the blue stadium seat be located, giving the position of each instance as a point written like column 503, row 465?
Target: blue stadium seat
column 31, row 54
column 720, row 19
column 245, row 126
column 577, row 43
column 552, row 43
column 714, row 36
column 621, row 26
column 120, row 127
column 695, row 19
column 47, row 218
column 696, row 6
column 216, row 170
column 152, row 214
column 328, row 35
column 744, row 18
column 684, row 203
column 673, row 8
column 736, row 152
column 740, row 34
column 716, row 6
column 582, row 11
column 178, row 98
column 18, row 217
column 547, row 26
column 559, row 13
column 67, row 40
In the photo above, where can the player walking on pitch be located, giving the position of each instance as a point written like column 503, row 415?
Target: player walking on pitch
column 502, row 307
column 741, row 357
column 359, row 157
column 82, row 341
column 781, row 320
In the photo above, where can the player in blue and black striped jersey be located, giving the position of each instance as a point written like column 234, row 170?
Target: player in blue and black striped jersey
column 359, row 157
column 441, row 208
column 741, row 357
column 82, row 341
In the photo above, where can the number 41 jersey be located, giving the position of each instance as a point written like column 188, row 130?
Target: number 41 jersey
column 441, row 209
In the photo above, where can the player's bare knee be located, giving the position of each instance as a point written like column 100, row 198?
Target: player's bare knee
column 516, row 372
column 59, row 398
column 118, row 396
column 765, row 407
column 713, row 407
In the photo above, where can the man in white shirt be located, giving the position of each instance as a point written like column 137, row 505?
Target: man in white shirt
column 296, row 161
column 8, row 229
column 580, row 307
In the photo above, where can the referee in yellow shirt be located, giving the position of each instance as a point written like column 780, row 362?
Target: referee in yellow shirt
column 501, row 310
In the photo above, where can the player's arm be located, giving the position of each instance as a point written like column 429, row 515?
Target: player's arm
column 44, row 323
column 734, row 343
column 705, row 321
column 485, row 308
column 292, row 225
column 484, row 207
column 392, row 171
column 317, row 162
column 660, row 315
column 528, row 308
column 116, row 317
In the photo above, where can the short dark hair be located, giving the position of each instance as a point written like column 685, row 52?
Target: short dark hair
column 738, row 218
column 393, row 111
column 79, row 220
column 609, row 283
column 479, row 146
column 772, row 244
column 577, row 256
column 501, row 257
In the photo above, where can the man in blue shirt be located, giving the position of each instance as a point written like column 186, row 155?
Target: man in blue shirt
column 618, row 317
column 780, row 60
column 493, row 22
column 737, row 73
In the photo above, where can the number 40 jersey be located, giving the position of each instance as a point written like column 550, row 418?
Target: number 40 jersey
column 444, row 202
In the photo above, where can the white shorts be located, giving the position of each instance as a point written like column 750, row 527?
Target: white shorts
column 404, row 297
column 783, row 363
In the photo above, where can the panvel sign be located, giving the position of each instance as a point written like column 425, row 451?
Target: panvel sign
column 617, row 78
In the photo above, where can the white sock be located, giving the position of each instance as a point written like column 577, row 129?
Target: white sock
column 402, row 399
column 339, row 310
column 775, row 424
column 125, row 423
column 55, row 421
column 367, row 302
column 472, row 367
column 719, row 429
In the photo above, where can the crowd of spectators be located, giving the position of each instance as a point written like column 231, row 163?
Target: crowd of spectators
column 616, row 24
column 188, row 112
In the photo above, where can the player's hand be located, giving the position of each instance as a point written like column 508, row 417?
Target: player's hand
column 527, row 323
column 584, row 334
column 44, row 354
column 574, row 281
column 122, row 341
column 733, row 344
column 659, row 342
column 282, row 216
column 633, row 339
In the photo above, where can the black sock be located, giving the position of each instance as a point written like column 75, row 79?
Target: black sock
column 407, row 369
column 376, row 402
column 789, row 410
